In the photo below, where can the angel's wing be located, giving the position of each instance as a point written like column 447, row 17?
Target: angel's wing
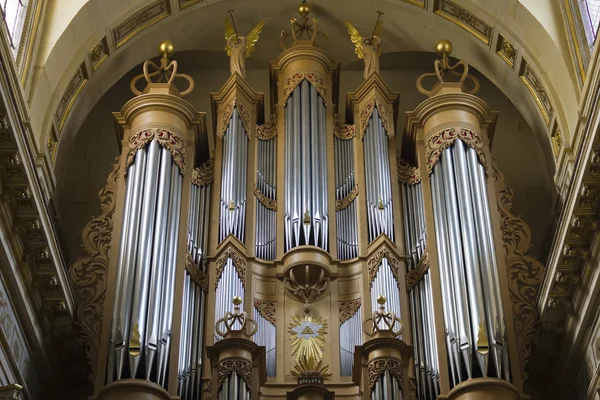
column 356, row 39
column 229, row 31
column 252, row 37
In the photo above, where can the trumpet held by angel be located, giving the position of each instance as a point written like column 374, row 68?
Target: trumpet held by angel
column 240, row 47
column 367, row 48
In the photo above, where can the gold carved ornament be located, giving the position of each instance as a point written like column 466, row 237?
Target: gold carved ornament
column 241, row 367
column 268, row 130
column 342, row 130
column 367, row 48
column 375, row 261
column 365, row 116
column 88, row 274
column 378, row 366
column 265, row 200
column 243, row 113
column 316, row 79
column 167, row 139
column 407, row 173
column 440, row 141
column 199, row 277
column 307, row 335
column 238, row 262
column 204, row 175
column 525, row 273
column 414, row 276
column 348, row 309
column 346, row 201
column 266, row 309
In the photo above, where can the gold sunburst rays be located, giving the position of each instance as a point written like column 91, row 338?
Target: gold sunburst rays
column 308, row 337
column 310, row 367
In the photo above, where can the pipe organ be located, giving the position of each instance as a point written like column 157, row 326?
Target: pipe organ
column 354, row 267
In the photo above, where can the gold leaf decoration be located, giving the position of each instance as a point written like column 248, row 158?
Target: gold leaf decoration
column 308, row 337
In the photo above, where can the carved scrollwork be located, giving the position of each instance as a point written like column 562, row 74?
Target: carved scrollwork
column 264, row 200
column 198, row 276
column 204, row 175
column 407, row 173
column 242, row 367
column 414, row 276
column 243, row 112
column 525, row 273
column 238, row 262
column 348, row 309
column 378, row 366
column 374, row 262
column 295, row 79
column 365, row 116
column 88, row 274
column 346, row 201
column 266, row 309
column 206, row 389
column 167, row 139
column 443, row 139
column 268, row 130
column 342, row 130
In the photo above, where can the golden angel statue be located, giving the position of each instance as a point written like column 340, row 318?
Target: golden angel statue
column 240, row 47
column 367, row 48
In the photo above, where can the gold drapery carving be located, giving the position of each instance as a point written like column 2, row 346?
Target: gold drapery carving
column 342, row 130
column 204, row 175
column 316, row 79
column 414, row 276
column 243, row 112
column 264, row 200
column 348, row 309
column 378, row 366
column 238, row 262
column 407, row 173
column 440, row 141
column 166, row 138
column 375, row 261
column 88, row 274
column 266, row 309
column 525, row 273
column 346, row 201
column 268, row 130
column 199, row 277
column 242, row 367
column 365, row 116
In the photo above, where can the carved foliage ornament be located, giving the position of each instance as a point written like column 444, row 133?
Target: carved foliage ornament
column 365, row 117
column 414, row 276
column 346, row 201
column 266, row 309
column 242, row 367
column 243, row 113
column 378, row 366
column 525, row 273
column 167, row 139
column 268, row 130
column 407, row 173
column 238, row 262
column 440, row 141
column 342, row 130
column 88, row 274
column 375, row 261
column 296, row 78
column 204, row 175
column 265, row 200
column 198, row 276
column 348, row 309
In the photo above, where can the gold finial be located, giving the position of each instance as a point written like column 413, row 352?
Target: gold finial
column 381, row 299
column 443, row 48
column 304, row 8
column 166, row 48
column 380, row 205
column 231, row 205
column 306, row 217
column 237, row 300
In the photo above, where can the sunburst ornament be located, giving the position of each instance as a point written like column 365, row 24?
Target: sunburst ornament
column 308, row 337
column 309, row 370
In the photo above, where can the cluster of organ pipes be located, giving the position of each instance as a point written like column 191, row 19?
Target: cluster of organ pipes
column 228, row 286
column 306, row 215
column 194, row 297
column 385, row 283
column 143, row 308
column 387, row 387
column 473, row 315
column 266, row 222
column 345, row 186
column 350, row 337
column 234, row 387
column 233, row 180
column 266, row 336
column 420, row 296
column 378, row 182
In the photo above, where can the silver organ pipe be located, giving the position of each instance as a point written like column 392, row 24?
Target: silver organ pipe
column 350, row 337
column 229, row 285
column 385, row 283
column 233, row 179
column 387, row 387
column 345, row 186
column 266, row 335
column 266, row 222
column 378, row 179
column 194, row 297
column 234, row 387
column 306, row 215
column 142, row 316
column 473, row 313
column 420, row 297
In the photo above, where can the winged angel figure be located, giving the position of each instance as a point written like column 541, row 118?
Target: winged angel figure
column 367, row 48
column 240, row 47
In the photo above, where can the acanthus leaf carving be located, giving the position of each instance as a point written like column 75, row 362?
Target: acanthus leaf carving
column 265, row 200
column 407, row 173
column 166, row 138
column 374, row 262
column 204, row 175
column 378, row 366
column 346, row 201
column 243, row 113
column 296, row 78
column 238, row 262
column 367, row 112
column 348, row 309
column 266, row 309
column 268, row 130
column 342, row 130
column 242, row 367
column 440, row 141
column 414, row 276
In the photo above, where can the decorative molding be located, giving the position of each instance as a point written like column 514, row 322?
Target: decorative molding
column 268, row 130
column 204, row 175
column 506, row 50
column 342, row 130
column 374, row 262
column 525, row 273
column 316, row 79
column 346, row 201
column 378, row 366
column 556, row 139
column 365, row 116
column 407, row 173
column 419, row 3
column 139, row 21
column 98, row 54
column 537, row 91
column 52, row 145
column 577, row 38
column 243, row 113
column 266, row 309
column 238, row 262
column 199, row 277
column 265, row 200
column 166, row 138
column 414, row 276
column 348, row 309
column 74, row 88
column 188, row 3
column 464, row 18
column 440, row 141
column 242, row 367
